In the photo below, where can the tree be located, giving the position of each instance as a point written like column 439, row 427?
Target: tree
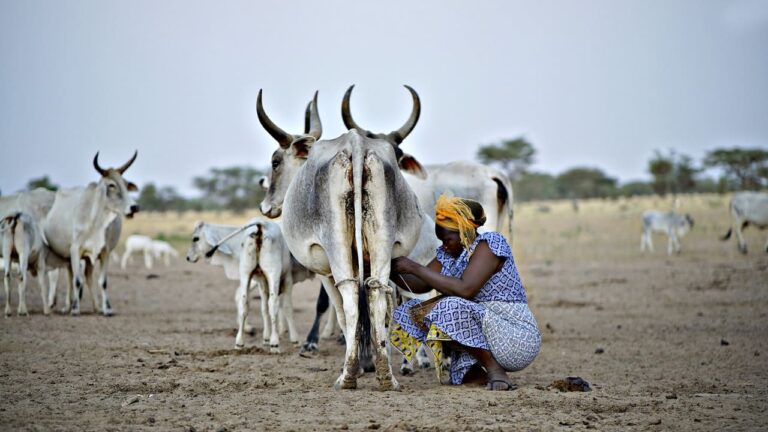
column 748, row 167
column 513, row 156
column 153, row 199
column 535, row 186
column 661, row 168
column 235, row 188
column 584, row 182
column 636, row 188
column 42, row 182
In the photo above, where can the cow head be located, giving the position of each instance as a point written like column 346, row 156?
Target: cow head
column 405, row 161
column 196, row 248
column 290, row 155
column 115, row 187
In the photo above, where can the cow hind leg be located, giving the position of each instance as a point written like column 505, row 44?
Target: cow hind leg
column 377, row 303
column 242, row 299
column 348, row 288
column 266, row 333
column 740, row 236
column 273, row 286
column 321, row 307
column 89, row 268
column 286, row 309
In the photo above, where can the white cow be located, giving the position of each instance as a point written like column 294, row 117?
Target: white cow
column 339, row 199
column 136, row 243
column 81, row 226
column 672, row 224
column 259, row 259
column 748, row 208
column 163, row 250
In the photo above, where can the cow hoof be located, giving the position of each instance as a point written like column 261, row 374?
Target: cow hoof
column 341, row 340
column 425, row 365
column 75, row 313
column 308, row 347
column 274, row 349
column 406, row 370
column 109, row 313
column 265, row 342
column 390, row 384
column 345, row 384
column 239, row 346
column 64, row 310
column 295, row 343
column 24, row 314
column 7, row 313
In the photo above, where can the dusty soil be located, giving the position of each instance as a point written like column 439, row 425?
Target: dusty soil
column 665, row 342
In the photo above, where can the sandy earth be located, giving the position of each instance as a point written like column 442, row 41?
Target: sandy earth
column 684, row 340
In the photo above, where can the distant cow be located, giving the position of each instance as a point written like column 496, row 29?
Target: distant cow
column 672, row 224
column 748, row 208
column 163, row 250
column 136, row 243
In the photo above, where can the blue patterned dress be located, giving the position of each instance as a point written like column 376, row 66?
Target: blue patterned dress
column 496, row 319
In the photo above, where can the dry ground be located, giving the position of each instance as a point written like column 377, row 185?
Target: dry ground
column 684, row 340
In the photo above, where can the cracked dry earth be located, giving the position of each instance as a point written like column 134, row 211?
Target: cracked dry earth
column 666, row 343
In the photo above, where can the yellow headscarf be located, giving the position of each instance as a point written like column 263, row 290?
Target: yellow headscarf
column 454, row 214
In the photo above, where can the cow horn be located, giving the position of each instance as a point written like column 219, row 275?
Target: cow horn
column 128, row 164
column 346, row 115
column 399, row 135
column 312, row 124
column 283, row 138
column 101, row 170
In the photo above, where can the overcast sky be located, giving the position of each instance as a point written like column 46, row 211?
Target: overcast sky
column 589, row 83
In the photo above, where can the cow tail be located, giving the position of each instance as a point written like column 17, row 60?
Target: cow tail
column 365, row 334
column 727, row 235
column 9, row 222
column 503, row 202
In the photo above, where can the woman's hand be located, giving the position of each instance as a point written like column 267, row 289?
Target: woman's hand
column 404, row 265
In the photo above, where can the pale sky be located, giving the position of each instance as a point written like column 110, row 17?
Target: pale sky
column 589, row 83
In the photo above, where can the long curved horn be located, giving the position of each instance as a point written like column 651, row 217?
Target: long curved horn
column 346, row 115
column 312, row 124
column 283, row 138
column 101, row 170
column 128, row 164
column 399, row 135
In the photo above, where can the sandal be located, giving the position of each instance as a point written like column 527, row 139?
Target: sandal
column 510, row 386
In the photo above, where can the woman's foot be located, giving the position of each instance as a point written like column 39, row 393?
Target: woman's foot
column 499, row 381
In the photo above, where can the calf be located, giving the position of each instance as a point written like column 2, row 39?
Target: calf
column 674, row 225
column 748, row 208
column 22, row 243
column 253, row 255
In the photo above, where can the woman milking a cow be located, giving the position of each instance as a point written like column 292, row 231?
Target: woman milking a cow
column 481, row 320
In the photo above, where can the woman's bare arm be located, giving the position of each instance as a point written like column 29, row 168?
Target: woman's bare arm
column 482, row 265
column 412, row 282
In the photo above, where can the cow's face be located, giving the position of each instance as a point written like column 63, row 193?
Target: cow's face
column 289, row 157
column 286, row 163
column 116, row 188
column 195, row 251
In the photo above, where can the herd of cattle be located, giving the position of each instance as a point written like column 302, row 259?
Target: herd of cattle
column 336, row 209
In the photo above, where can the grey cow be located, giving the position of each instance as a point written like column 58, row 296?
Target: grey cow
column 672, row 224
column 748, row 208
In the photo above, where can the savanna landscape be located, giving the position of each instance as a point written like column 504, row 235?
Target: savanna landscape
column 665, row 342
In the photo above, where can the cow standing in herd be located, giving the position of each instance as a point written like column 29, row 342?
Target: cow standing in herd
column 346, row 209
column 748, row 208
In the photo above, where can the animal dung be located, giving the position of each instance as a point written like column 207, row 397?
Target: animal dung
column 571, row 384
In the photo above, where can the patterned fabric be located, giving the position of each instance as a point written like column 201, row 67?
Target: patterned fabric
column 505, row 285
column 497, row 319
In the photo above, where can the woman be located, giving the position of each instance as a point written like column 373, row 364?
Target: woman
column 483, row 316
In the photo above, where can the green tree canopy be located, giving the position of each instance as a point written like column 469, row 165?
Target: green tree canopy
column 747, row 167
column 235, row 188
column 513, row 156
column 42, row 182
column 585, row 182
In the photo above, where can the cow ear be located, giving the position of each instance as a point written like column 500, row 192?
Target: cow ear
column 302, row 145
column 264, row 182
column 409, row 164
column 131, row 187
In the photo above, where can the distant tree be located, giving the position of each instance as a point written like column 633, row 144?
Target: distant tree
column 513, row 156
column 684, row 174
column 749, row 167
column 535, row 186
column 636, row 188
column 153, row 199
column 235, row 188
column 42, row 182
column 584, row 182
column 661, row 168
